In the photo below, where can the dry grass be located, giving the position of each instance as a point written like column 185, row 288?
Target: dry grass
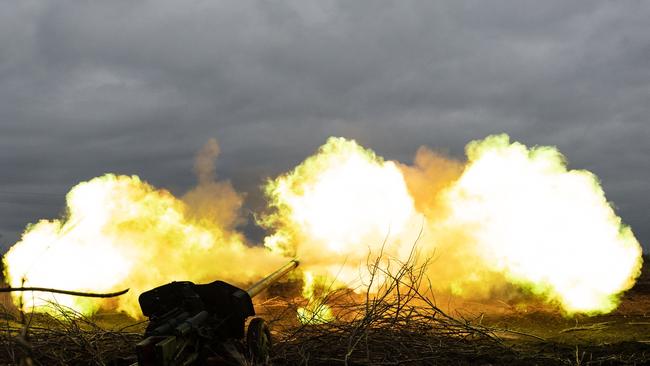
column 398, row 323
column 67, row 339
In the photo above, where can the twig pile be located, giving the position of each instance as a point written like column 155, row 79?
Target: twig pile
column 418, row 337
column 396, row 324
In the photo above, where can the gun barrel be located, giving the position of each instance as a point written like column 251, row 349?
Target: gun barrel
column 273, row 277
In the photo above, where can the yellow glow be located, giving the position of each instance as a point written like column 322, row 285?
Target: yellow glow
column 316, row 311
column 546, row 228
column 122, row 233
column 508, row 216
column 337, row 207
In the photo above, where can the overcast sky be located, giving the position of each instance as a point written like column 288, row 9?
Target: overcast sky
column 137, row 87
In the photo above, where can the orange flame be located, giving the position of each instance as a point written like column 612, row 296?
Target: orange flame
column 509, row 217
column 121, row 232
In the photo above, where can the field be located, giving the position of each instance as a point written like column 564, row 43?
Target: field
column 375, row 330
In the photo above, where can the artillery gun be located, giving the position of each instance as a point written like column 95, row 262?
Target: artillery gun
column 203, row 324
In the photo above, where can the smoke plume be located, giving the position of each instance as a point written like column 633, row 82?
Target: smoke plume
column 120, row 232
column 508, row 218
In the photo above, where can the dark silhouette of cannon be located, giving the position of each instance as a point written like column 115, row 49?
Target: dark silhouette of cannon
column 203, row 324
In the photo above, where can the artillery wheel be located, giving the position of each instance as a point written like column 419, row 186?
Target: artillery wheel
column 258, row 340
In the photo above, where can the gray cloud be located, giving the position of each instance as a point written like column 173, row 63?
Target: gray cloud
column 136, row 88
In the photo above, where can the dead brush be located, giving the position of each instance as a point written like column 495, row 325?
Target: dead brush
column 394, row 323
column 69, row 338
column 397, row 322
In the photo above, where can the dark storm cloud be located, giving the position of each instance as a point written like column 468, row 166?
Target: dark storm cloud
column 137, row 87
